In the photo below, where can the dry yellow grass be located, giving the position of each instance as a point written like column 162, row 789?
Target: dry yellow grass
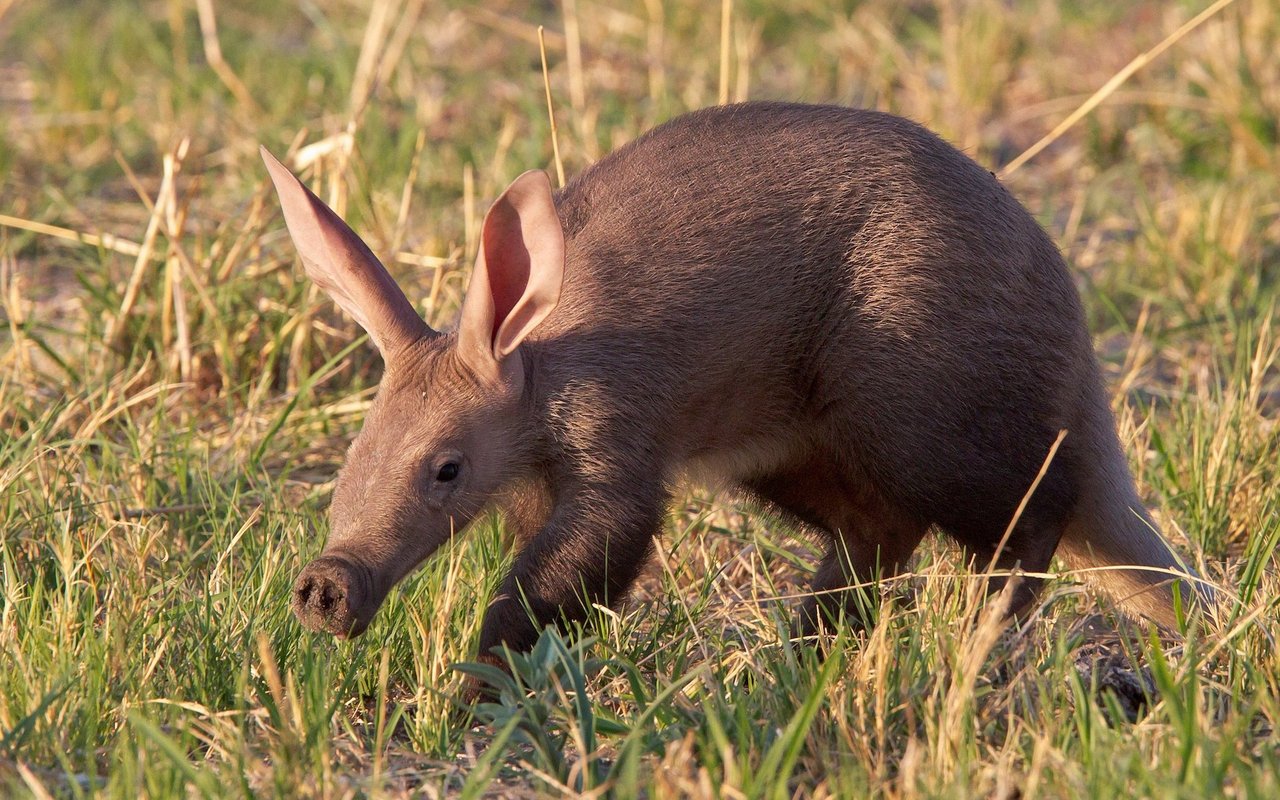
column 174, row 401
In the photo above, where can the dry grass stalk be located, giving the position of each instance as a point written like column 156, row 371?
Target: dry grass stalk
column 726, row 29
column 106, row 241
column 15, row 311
column 213, row 54
column 1115, row 82
column 551, row 110
column 406, row 195
column 172, row 164
column 369, row 65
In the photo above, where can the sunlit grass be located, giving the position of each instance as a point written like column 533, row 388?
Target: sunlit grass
column 175, row 400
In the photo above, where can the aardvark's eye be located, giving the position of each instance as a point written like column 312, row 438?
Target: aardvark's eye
column 447, row 472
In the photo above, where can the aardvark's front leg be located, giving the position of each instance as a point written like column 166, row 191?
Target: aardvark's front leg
column 595, row 543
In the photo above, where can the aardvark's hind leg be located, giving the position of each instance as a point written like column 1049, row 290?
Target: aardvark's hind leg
column 869, row 538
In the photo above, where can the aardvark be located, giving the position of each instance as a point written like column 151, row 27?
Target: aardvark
column 830, row 310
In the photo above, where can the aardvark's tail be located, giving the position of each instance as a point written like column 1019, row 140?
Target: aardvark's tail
column 1111, row 528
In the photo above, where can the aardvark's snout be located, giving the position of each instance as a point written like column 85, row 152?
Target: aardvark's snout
column 334, row 594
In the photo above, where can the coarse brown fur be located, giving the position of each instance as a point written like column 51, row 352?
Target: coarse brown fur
column 831, row 309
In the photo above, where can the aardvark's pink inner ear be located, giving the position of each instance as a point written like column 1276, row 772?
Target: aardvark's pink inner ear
column 518, row 272
column 343, row 265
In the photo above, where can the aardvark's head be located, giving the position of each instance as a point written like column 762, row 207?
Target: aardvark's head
column 447, row 429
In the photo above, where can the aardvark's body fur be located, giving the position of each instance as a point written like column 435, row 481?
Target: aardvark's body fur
column 831, row 309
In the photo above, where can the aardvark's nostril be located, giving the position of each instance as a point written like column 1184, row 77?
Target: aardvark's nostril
column 303, row 591
column 330, row 596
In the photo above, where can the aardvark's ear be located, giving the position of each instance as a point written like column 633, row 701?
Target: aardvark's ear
column 341, row 264
column 518, row 273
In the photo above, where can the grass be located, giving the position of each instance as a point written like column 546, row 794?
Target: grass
column 175, row 400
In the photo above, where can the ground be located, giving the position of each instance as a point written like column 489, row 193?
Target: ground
column 175, row 400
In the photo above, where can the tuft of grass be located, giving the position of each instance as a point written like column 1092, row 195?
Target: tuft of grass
column 175, row 401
